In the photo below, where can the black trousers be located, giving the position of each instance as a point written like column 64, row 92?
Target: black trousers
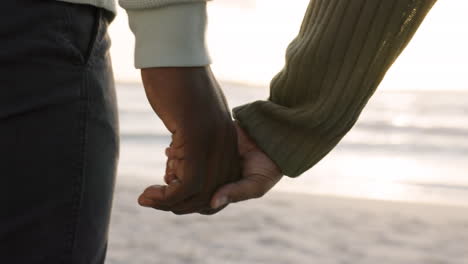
column 58, row 132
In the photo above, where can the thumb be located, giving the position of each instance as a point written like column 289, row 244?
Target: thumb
column 242, row 190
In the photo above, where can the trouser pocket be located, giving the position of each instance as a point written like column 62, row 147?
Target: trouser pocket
column 79, row 30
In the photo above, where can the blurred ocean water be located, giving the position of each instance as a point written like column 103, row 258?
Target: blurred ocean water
column 407, row 145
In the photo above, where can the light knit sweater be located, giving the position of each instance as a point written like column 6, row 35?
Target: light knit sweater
column 334, row 65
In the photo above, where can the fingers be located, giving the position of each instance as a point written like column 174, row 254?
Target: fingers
column 194, row 171
column 171, row 171
column 245, row 189
column 169, row 178
column 180, row 187
column 177, row 191
column 177, row 139
column 189, row 206
column 174, row 153
column 165, row 195
column 193, row 206
column 143, row 201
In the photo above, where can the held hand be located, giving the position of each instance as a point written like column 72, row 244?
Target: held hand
column 259, row 173
column 193, row 108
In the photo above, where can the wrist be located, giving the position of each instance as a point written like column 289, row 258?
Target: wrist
column 185, row 97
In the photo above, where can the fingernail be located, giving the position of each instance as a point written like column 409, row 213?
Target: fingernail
column 170, row 164
column 221, row 202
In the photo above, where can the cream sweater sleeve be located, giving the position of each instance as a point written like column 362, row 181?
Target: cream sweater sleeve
column 333, row 66
column 168, row 33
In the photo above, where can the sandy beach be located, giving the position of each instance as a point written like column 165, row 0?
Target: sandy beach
column 289, row 228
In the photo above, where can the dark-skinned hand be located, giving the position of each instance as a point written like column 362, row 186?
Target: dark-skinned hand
column 259, row 173
column 193, row 108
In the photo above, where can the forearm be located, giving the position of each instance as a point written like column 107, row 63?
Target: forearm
column 333, row 66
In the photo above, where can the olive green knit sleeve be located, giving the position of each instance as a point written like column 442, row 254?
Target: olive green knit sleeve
column 333, row 66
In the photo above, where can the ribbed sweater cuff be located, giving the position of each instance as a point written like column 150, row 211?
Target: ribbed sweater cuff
column 293, row 148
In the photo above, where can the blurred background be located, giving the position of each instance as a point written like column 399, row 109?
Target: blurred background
column 395, row 190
